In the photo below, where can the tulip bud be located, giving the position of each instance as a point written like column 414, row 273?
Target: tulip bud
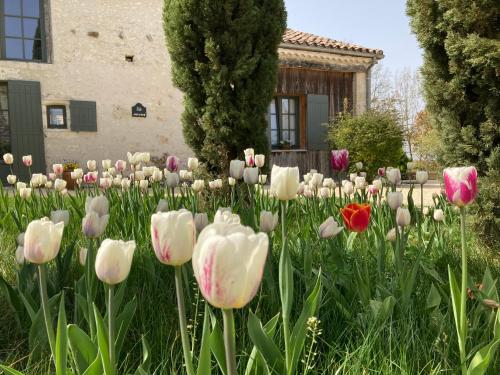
column 260, row 160
column 192, row 164
column 251, row 175
column 348, row 188
column 284, row 182
column 162, row 206
column 173, row 235
column 27, row 160
column 403, row 217
column 394, row 176
column 60, row 216
column 262, row 179
column 438, row 215
column 268, row 221
column 20, row 255
column 172, row 163
column 114, row 260
column 200, row 221
column 249, row 157
column 395, row 199
column 82, row 255
column 8, row 159
column 11, row 179
column 42, row 240
column 329, row 228
column 120, row 165
column 228, row 263
column 359, row 165
column 198, row 186
column 172, row 179
column 422, row 177
column 236, row 168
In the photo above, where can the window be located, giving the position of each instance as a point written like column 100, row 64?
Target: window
column 56, row 117
column 5, row 145
column 21, row 30
column 284, row 122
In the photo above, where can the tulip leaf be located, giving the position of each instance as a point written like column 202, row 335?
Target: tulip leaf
column 455, row 300
column 204, row 365
column 299, row 332
column 265, row 344
column 350, row 240
column 95, row 368
column 38, row 333
column 144, row 368
column 61, row 350
column 83, row 349
column 255, row 357
column 217, row 346
column 102, row 341
column 286, row 281
column 10, row 371
column 433, row 298
column 123, row 321
column 481, row 360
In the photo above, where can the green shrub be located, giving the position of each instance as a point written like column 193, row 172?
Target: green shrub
column 373, row 138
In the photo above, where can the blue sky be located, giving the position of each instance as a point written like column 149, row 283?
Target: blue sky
column 371, row 23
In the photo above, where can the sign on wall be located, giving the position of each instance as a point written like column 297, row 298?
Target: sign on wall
column 139, row 110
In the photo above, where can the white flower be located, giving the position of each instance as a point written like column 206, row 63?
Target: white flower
column 268, row 221
column 11, row 179
column 60, row 216
column 251, row 175
column 198, row 186
column 42, row 240
column 422, row 177
column 224, row 215
column 438, row 215
column 394, row 176
column 114, row 260
column 284, row 182
column 403, row 217
column 259, row 160
column 236, row 168
column 329, row 228
column 395, row 199
column 192, row 164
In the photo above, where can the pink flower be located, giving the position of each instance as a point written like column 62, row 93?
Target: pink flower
column 339, row 160
column 173, row 163
column 120, row 165
column 27, row 160
column 90, row 178
column 381, row 172
column 460, row 185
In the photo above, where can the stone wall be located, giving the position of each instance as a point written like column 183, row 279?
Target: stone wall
column 89, row 41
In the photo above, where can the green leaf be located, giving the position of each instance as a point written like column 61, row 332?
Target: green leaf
column 255, row 357
column 38, row 333
column 204, row 365
column 83, row 349
column 382, row 310
column 95, row 368
column 481, row 360
column 144, row 368
column 433, row 298
column 123, row 321
column 217, row 346
column 102, row 341
column 455, row 299
column 286, row 281
column 61, row 340
column 350, row 240
column 265, row 344
column 10, row 371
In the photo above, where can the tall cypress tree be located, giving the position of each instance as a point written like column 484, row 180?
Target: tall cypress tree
column 461, row 71
column 225, row 60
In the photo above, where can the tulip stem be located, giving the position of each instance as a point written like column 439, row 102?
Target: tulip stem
column 463, row 296
column 89, row 269
column 229, row 341
column 42, row 278
column 182, row 321
column 111, row 326
column 286, row 285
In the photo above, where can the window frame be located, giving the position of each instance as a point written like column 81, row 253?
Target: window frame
column 65, row 116
column 278, row 107
column 3, row 37
column 4, row 84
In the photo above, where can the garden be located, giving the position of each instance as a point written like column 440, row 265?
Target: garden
column 147, row 270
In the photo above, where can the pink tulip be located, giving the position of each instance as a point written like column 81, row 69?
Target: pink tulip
column 90, row 178
column 339, row 160
column 381, row 172
column 373, row 190
column 460, row 185
column 120, row 165
column 173, row 163
column 27, row 160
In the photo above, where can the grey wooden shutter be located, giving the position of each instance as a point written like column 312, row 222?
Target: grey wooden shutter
column 268, row 130
column 317, row 116
column 83, row 116
column 25, row 119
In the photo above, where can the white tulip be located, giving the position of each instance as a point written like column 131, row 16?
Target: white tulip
column 200, row 221
column 360, row 182
column 82, row 255
column 173, row 235
column 325, row 192
column 251, row 175
column 91, row 165
column 198, row 186
column 438, row 214
column 11, row 179
column 329, row 183
column 8, row 159
column 25, row 193
column 236, row 168
column 348, row 188
column 49, row 184
column 60, row 216
column 162, row 206
column 93, row 225
column 144, row 185
column 410, row 166
column 185, row 175
column 329, row 228
column 145, row 157
column 224, row 215
column 262, row 179
column 307, row 177
column 268, row 221
column 114, row 260
column 172, row 179
column 98, row 204
column 231, row 181
column 391, row 235
column 59, row 184
column 316, row 181
column 106, row 164
column 394, row 176
column 403, row 217
column 20, row 255
column 125, row 183
column 157, row 176
column 353, row 176
column 378, row 184
column 422, row 177
column 228, row 263
column 395, row 199
column 284, row 182
column 359, row 165
column 20, row 239
column 192, row 164
column 78, row 173
column 260, row 160
column 42, row 240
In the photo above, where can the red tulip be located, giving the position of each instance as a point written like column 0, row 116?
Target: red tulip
column 356, row 216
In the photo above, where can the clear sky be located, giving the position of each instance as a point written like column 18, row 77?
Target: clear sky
column 379, row 24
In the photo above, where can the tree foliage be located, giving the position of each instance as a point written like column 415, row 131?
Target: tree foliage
column 225, row 60
column 374, row 138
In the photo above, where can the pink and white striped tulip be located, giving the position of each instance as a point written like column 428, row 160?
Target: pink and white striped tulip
column 58, row 169
column 90, row 177
column 460, row 185
column 172, row 163
column 120, row 165
column 339, row 160
column 27, row 160
column 228, row 263
column 249, row 157
column 42, row 240
column 173, row 235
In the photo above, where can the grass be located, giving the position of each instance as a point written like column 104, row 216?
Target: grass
column 356, row 337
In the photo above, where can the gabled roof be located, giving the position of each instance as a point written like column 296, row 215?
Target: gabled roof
column 300, row 38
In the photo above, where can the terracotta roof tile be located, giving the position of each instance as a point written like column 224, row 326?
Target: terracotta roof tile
column 301, row 38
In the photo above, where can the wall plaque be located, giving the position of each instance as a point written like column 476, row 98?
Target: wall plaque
column 139, row 110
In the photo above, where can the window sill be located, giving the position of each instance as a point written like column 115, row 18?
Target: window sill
column 277, row 151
